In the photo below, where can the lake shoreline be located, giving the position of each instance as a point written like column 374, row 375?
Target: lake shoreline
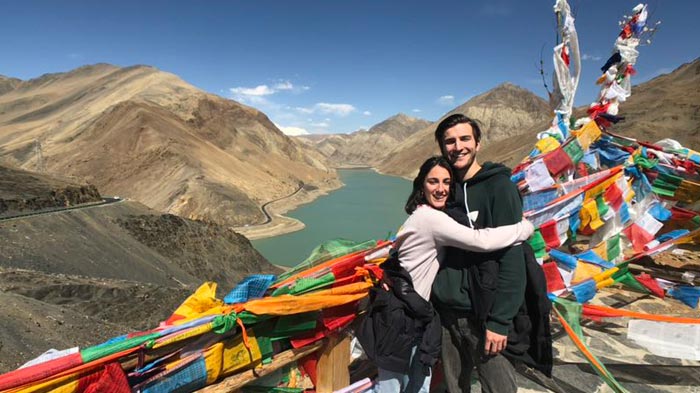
column 279, row 223
column 368, row 207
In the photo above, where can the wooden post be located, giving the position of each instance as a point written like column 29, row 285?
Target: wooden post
column 332, row 370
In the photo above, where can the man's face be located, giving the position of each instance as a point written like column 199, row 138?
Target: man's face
column 460, row 146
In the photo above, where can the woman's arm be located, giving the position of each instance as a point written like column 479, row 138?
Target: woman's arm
column 447, row 232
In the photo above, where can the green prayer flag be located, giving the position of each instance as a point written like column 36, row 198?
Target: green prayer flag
column 644, row 162
column 571, row 312
column 305, row 284
column 613, row 245
column 629, row 280
column 326, row 251
column 538, row 244
column 666, row 184
column 99, row 351
column 289, row 325
column 602, row 206
column 574, row 150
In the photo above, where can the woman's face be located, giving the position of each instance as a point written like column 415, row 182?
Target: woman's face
column 436, row 187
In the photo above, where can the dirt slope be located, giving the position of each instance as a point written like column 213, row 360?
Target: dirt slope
column 145, row 134
column 504, row 111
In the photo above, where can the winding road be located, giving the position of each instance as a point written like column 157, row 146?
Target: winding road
column 268, row 218
column 105, row 201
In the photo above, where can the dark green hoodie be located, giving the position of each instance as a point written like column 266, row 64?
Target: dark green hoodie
column 496, row 198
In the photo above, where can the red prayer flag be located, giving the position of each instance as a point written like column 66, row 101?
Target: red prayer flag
column 613, row 196
column 638, row 236
column 111, row 379
column 651, row 284
column 557, row 161
column 553, row 277
column 565, row 55
column 550, row 234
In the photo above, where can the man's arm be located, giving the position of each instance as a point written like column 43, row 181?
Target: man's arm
column 510, row 290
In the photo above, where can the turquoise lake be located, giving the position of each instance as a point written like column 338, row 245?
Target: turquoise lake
column 369, row 206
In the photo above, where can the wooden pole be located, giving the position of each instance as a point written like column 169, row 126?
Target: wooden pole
column 332, row 370
column 237, row 381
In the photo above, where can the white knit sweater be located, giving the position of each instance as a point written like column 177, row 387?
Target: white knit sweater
column 422, row 239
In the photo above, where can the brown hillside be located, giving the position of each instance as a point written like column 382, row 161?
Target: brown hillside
column 22, row 191
column 145, row 134
column 504, row 111
column 665, row 107
column 7, row 84
column 82, row 276
column 367, row 147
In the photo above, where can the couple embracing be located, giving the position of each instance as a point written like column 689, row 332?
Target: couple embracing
column 456, row 281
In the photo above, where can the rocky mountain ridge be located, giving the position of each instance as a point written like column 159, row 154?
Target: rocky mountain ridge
column 82, row 276
column 147, row 135
column 503, row 112
column 366, row 147
column 667, row 106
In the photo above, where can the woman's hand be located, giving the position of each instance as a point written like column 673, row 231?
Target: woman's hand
column 527, row 229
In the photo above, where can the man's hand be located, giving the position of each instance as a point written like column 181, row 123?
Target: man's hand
column 495, row 343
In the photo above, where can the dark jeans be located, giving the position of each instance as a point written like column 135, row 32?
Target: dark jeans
column 462, row 349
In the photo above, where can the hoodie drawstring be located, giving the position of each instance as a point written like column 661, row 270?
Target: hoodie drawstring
column 466, row 205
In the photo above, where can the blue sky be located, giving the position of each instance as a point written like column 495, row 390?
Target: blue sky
column 336, row 66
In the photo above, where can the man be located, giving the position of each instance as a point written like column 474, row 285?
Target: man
column 478, row 294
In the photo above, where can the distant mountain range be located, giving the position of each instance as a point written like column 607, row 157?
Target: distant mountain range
column 145, row 134
column 366, row 147
column 665, row 107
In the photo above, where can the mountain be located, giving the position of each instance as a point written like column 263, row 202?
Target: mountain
column 667, row 106
column 82, row 276
column 504, row 111
column 141, row 133
column 8, row 84
column 367, row 147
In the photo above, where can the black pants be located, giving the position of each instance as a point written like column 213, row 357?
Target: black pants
column 462, row 349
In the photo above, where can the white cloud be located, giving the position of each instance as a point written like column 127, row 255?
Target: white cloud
column 446, row 100
column 284, row 85
column 496, row 9
column 253, row 95
column 586, row 56
column 292, row 130
column 323, row 124
column 416, row 110
column 325, row 108
column 367, row 113
column 335, row 109
column 257, row 91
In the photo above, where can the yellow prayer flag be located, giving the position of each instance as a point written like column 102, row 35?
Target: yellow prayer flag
column 213, row 361
column 545, row 145
column 237, row 356
column 588, row 134
column 601, row 249
column 589, row 215
column 584, row 271
column 687, row 191
column 594, row 192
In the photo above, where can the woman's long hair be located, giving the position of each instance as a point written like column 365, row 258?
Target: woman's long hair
column 417, row 197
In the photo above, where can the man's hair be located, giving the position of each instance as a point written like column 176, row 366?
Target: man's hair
column 451, row 121
column 417, row 197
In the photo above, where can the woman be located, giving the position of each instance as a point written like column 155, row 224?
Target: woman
column 419, row 247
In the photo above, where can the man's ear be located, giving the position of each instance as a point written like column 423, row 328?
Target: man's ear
column 478, row 146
